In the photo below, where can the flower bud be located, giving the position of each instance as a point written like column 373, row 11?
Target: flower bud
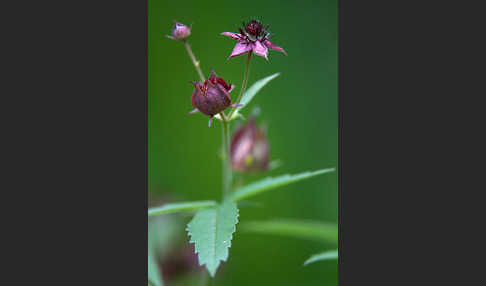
column 249, row 149
column 212, row 96
column 180, row 31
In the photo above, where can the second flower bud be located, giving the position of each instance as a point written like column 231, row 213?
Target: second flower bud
column 249, row 149
column 212, row 96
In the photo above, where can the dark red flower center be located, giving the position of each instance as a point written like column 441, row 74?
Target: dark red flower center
column 253, row 31
column 254, row 28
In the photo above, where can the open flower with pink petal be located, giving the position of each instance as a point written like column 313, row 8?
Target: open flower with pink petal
column 253, row 38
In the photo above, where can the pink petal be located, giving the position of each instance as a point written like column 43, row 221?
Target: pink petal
column 260, row 49
column 240, row 48
column 231, row 35
column 274, row 47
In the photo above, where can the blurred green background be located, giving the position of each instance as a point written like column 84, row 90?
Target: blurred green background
column 300, row 107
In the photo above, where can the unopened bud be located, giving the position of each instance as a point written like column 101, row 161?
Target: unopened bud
column 180, row 31
column 249, row 149
column 212, row 96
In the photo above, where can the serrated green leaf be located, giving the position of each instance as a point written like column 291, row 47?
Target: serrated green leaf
column 212, row 230
column 326, row 255
column 326, row 232
column 253, row 90
column 178, row 207
column 271, row 183
column 154, row 276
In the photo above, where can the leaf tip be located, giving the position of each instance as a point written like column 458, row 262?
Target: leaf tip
column 322, row 171
column 212, row 272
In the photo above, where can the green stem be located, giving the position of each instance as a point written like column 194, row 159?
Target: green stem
column 245, row 81
column 204, row 278
column 227, row 175
column 194, row 61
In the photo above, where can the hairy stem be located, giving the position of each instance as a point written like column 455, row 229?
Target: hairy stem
column 194, row 61
column 243, row 85
column 227, row 175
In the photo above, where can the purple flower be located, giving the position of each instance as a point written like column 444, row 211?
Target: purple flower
column 180, row 31
column 249, row 149
column 212, row 96
column 253, row 38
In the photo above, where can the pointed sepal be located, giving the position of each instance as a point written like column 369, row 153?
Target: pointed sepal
column 193, row 111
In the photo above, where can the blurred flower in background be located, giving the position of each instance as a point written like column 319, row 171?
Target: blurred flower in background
column 249, row 148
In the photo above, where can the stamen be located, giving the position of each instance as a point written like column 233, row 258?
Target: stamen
column 241, row 31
